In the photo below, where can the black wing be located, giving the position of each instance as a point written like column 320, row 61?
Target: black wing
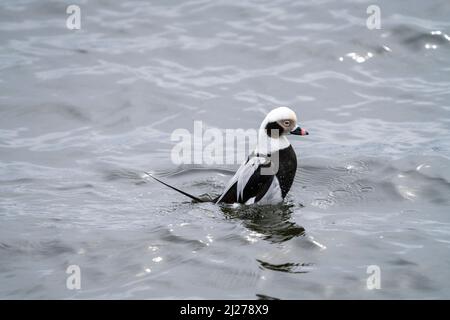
column 248, row 182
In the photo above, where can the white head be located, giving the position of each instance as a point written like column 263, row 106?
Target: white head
column 275, row 127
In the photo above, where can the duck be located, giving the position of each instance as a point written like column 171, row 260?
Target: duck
column 267, row 174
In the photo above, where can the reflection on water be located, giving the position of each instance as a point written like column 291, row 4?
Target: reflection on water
column 83, row 114
column 271, row 221
column 286, row 267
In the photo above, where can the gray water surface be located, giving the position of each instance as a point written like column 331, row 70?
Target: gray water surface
column 83, row 113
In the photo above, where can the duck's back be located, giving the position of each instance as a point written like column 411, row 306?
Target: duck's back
column 262, row 181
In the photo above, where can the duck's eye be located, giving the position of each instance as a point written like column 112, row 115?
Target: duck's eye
column 287, row 123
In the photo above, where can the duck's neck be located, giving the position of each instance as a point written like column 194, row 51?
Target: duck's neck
column 267, row 145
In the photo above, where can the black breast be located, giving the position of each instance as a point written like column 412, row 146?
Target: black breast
column 287, row 169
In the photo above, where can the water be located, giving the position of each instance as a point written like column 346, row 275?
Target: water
column 84, row 112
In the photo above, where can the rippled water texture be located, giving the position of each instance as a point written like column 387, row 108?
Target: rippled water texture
column 84, row 113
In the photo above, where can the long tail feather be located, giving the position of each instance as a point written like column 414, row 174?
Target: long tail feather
column 180, row 191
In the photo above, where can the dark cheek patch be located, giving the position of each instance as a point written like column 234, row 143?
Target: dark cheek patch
column 273, row 126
